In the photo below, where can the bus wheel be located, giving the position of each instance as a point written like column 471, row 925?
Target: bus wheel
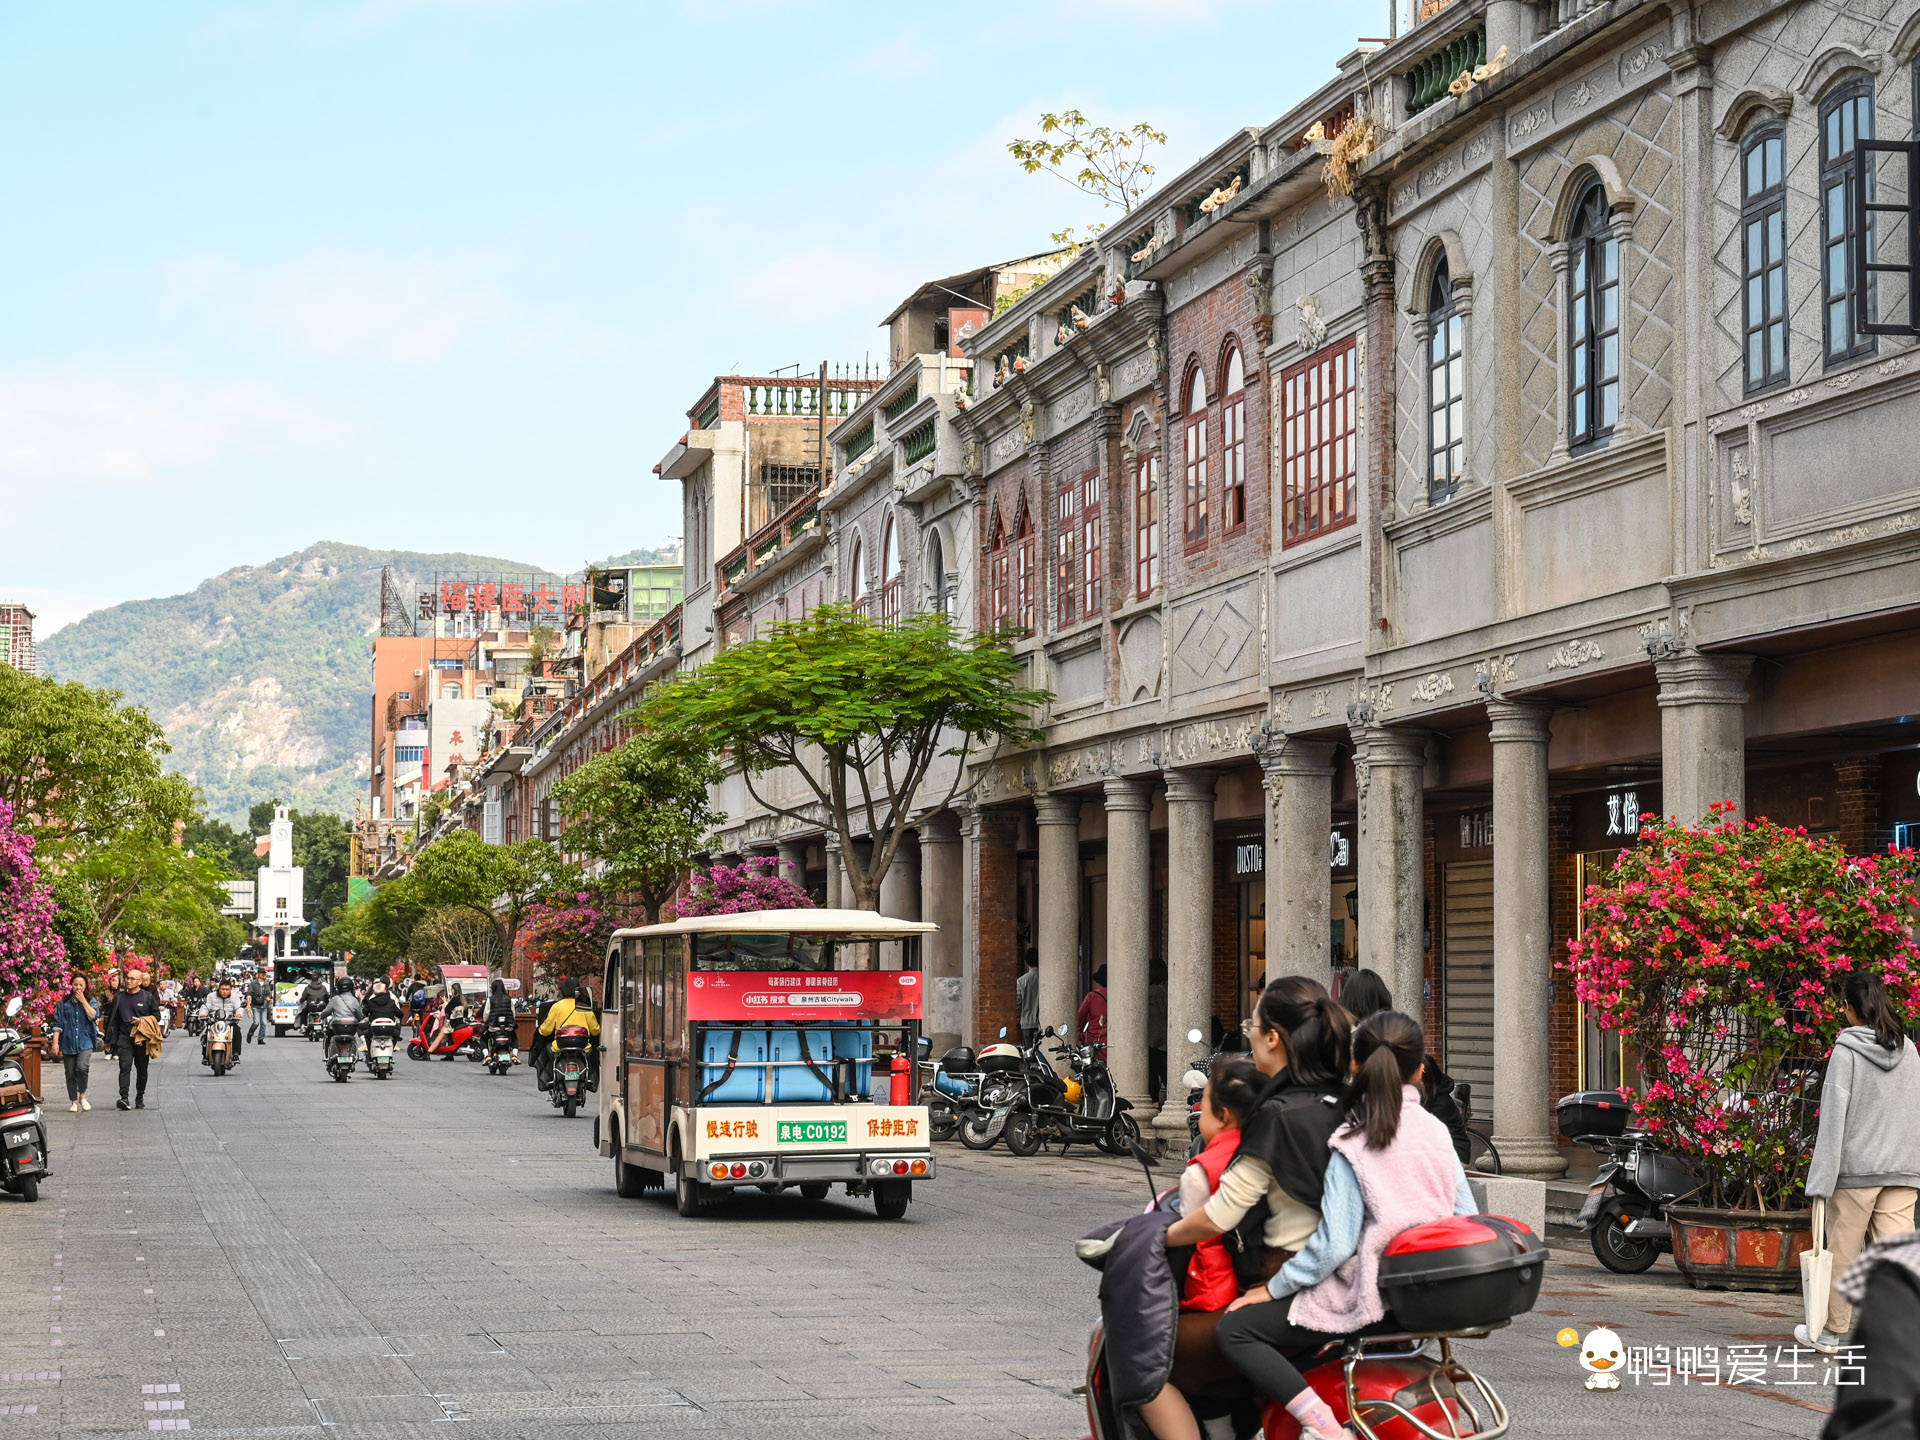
column 689, row 1195
column 890, row 1198
column 629, row 1181
column 279, row 1032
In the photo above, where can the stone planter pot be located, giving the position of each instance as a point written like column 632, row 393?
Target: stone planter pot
column 1740, row 1249
column 30, row 1064
column 524, row 1026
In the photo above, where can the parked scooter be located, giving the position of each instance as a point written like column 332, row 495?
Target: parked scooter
column 383, row 1037
column 23, row 1124
column 343, row 1037
column 567, row 1068
column 1081, row 1108
column 1625, row 1216
column 1003, row 1085
column 502, row 1047
column 461, row 1038
column 1406, row 1385
column 949, row 1090
column 216, row 1044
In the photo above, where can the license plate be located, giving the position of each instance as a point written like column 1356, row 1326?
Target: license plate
column 812, row 1132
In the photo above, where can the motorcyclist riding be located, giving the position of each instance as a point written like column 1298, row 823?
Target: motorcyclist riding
column 314, row 998
column 381, row 1005
column 345, row 1005
column 564, row 1011
column 225, row 1005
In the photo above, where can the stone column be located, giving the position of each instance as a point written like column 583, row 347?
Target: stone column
column 793, row 861
column 943, row 902
column 1058, row 819
column 1129, row 935
column 1390, row 760
column 1189, row 935
column 836, row 899
column 1703, row 741
column 1299, row 784
column 900, row 886
column 1522, row 941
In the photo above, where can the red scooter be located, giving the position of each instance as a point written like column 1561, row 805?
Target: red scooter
column 1403, row 1386
column 462, row 1038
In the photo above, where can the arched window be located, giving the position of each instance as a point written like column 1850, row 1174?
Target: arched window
column 890, row 573
column 1146, row 521
column 1763, row 255
column 449, row 692
column 937, row 599
column 1233, row 443
column 857, row 580
column 1023, row 569
column 1195, row 508
column 1846, row 118
column 1593, row 320
column 1446, row 387
column 999, row 577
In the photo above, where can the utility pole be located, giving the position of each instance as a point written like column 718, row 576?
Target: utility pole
column 821, row 406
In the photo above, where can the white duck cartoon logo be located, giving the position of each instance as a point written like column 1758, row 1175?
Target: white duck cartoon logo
column 1602, row 1356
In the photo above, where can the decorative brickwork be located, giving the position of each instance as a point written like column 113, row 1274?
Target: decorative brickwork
column 995, row 931
column 1563, row 901
column 1857, row 803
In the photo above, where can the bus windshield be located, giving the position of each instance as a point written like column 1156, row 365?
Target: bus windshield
column 762, row 952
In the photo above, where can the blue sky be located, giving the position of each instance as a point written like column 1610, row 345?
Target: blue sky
column 445, row 274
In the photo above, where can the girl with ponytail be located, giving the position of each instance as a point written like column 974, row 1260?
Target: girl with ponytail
column 1392, row 1168
column 1866, row 1158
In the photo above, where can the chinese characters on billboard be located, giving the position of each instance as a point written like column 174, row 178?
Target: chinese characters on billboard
column 533, row 601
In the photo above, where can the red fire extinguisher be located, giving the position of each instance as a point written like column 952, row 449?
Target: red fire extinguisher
column 901, row 1092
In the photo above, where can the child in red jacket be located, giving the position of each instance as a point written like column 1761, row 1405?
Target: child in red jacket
column 1232, row 1088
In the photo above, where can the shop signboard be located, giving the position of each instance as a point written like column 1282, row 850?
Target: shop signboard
column 804, row 995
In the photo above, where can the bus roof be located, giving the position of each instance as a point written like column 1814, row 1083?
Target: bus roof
column 842, row 924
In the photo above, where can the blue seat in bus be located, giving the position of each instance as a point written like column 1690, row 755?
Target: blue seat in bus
column 794, row 1080
column 747, row 1084
column 855, row 1042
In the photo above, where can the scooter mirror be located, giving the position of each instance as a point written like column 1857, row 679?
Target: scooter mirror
column 1048, row 1031
column 15, row 1005
column 1193, row 1037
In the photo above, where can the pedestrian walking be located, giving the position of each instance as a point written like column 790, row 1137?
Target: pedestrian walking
column 1884, row 1286
column 1090, row 1021
column 1866, row 1158
column 76, row 1035
column 104, row 1010
column 259, row 1008
column 137, row 1037
column 1026, row 990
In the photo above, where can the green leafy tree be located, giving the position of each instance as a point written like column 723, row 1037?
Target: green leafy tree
column 641, row 810
column 501, row 883
column 1108, row 163
column 219, row 841
column 75, row 763
column 857, row 708
column 378, row 930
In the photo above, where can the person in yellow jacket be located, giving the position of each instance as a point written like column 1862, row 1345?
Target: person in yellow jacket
column 565, row 1011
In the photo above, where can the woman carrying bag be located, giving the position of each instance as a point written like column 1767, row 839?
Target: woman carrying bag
column 1866, row 1160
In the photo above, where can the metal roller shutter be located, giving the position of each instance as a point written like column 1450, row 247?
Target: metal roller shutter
column 1467, row 994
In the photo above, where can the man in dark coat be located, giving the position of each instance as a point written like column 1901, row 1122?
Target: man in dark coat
column 129, row 1007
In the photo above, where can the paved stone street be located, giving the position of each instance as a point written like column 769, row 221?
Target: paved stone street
column 269, row 1254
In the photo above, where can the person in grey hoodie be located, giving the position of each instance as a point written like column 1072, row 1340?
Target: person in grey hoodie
column 1866, row 1160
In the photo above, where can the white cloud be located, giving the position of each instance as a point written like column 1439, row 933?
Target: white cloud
column 345, row 304
column 60, row 427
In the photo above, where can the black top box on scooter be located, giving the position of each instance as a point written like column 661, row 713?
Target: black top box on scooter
column 1462, row 1273
column 1593, row 1112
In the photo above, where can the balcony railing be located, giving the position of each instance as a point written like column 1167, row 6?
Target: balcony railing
column 859, row 443
column 1427, row 79
column 786, row 399
column 919, row 443
column 1555, row 13
column 901, row 403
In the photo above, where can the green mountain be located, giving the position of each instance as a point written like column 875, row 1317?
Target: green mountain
column 261, row 674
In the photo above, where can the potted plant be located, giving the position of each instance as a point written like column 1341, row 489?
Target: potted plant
column 1717, row 950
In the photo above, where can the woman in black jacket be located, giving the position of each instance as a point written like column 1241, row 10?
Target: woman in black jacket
column 1366, row 994
column 380, row 1005
column 499, row 1004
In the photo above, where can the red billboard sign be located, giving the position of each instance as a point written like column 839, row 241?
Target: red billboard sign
column 777, row 996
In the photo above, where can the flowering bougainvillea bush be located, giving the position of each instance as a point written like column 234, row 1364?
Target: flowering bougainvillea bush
column 568, row 935
column 754, row 884
column 33, row 958
column 1718, row 951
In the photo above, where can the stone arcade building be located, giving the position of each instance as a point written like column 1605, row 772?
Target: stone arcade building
column 1389, row 553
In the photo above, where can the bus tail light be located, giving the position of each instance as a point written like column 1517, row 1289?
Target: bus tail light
column 899, row 1167
column 719, row 1172
column 739, row 1172
column 881, row 1167
column 919, row 1167
column 757, row 1169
